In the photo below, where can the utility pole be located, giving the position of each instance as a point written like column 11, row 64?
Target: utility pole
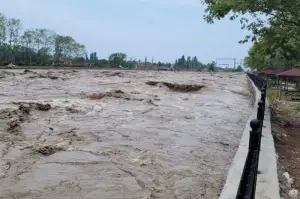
column 234, row 63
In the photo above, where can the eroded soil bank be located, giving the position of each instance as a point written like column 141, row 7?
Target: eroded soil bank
column 286, row 133
column 112, row 134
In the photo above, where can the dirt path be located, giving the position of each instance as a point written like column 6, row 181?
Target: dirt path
column 109, row 134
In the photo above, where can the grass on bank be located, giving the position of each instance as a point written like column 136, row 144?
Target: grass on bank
column 271, row 94
column 286, row 107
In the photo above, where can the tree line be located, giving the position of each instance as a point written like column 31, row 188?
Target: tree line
column 38, row 46
column 274, row 29
column 44, row 47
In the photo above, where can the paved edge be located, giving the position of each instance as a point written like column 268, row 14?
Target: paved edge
column 267, row 182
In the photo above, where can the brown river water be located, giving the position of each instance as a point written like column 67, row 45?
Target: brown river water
column 109, row 135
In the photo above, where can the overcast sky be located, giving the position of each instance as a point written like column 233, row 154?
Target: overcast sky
column 164, row 29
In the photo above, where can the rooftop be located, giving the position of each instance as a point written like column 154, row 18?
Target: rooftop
column 271, row 71
column 290, row 73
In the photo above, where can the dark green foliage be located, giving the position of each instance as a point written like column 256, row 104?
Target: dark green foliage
column 35, row 46
column 93, row 56
column 275, row 28
column 43, row 47
column 117, row 59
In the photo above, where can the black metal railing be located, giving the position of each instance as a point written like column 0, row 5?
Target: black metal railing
column 248, row 180
column 258, row 81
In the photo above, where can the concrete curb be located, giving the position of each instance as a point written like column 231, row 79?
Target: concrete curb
column 267, row 182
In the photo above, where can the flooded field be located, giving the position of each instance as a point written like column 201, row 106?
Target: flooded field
column 118, row 134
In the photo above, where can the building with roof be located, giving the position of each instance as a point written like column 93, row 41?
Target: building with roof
column 270, row 75
column 289, row 84
column 270, row 72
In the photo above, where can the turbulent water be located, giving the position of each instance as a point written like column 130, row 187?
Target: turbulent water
column 108, row 134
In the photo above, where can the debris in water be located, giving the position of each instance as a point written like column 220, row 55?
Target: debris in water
column 71, row 134
column 72, row 109
column 96, row 96
column 9, row 73
column 119, row 91
column 37, row 106
column 28, row 71
column 135, row 92
column 110, row 74
column 152, row 83
column 150, row 101
column 4, row 73
column 48, row 149
column 43, row 107
column 115, row 94
column 5, row 113
column 224, row 144
column 183, row 87
column 177, row 87
column 13, row 124
column 24, row 109
column 46, row 75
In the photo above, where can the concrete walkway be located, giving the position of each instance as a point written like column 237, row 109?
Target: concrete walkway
column 267, row 181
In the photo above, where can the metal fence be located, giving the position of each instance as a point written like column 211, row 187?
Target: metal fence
column 248, row 181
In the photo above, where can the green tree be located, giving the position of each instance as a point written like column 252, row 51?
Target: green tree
column 211, row 66
column 27, row 40
column 188, row 62
column 39, row 36
column 102, row 63
column 195, row 62
column 275, row 28
column 182, row 61
column 285, row 13
column 14, row 27
column 117, row 59
column 239, row 69
column 93, row 56
column 66, row 48
column 2, row 29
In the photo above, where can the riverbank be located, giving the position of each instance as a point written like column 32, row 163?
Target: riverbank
column 267, row 181
column 286, row 133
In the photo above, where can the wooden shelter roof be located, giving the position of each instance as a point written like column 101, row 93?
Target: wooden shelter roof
column 290, row 73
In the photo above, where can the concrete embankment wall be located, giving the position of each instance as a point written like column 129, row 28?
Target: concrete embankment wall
column 267, row 181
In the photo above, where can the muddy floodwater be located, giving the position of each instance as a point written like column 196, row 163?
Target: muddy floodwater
column 92, row 134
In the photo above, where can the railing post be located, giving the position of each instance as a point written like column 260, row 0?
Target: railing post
column 254, row 135
column 254, row 148
column 263, row 99
column 260, row 111
column 263, row 94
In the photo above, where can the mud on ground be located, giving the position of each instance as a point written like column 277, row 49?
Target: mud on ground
column 108, row 134
column 286, row 133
